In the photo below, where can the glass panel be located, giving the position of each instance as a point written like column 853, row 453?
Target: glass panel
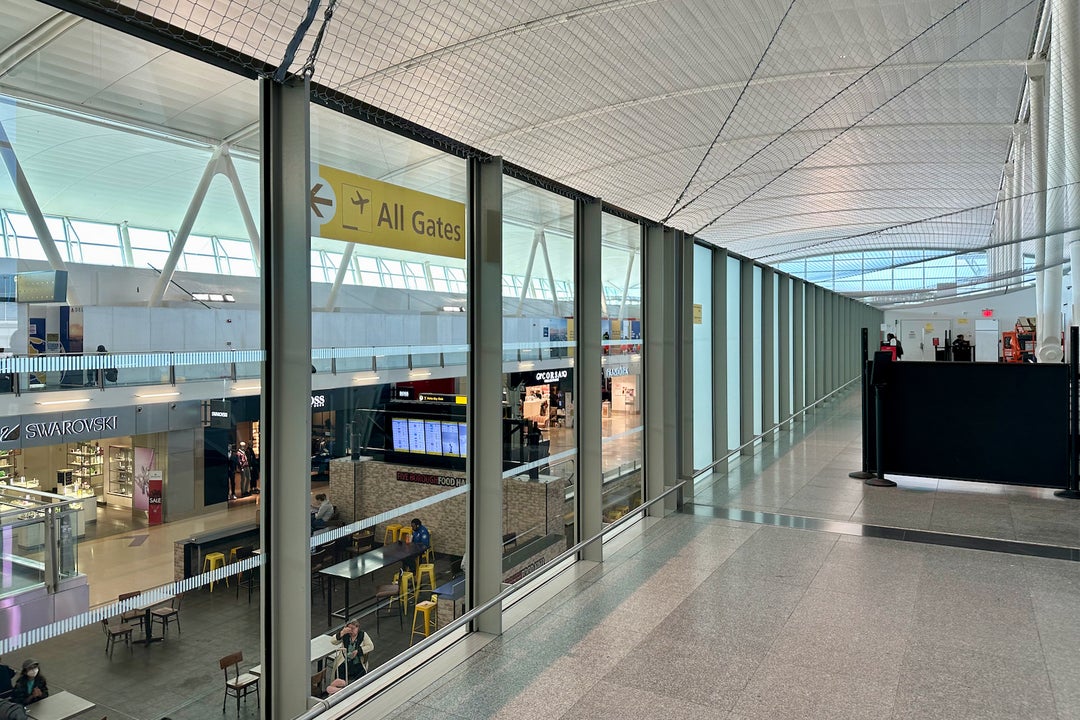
column 621, row 332
column 756, row 340
column 703, row 358
column 539, row 440
column 391, row 408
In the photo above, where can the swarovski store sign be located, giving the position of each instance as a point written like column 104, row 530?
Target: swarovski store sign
column 76, row 426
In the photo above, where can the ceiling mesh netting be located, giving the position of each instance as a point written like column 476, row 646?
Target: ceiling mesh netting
column 776, row 128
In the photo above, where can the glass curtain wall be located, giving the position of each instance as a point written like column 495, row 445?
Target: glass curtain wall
column 756, row 340
column 622, row 390
column 539, row 441
column 703, row 358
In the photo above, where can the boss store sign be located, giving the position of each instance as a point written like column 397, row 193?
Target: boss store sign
column 227, row 413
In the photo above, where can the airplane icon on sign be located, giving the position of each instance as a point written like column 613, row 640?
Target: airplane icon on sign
column 360, row 200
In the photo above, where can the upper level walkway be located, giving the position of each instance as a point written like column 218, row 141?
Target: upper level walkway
column 784, row 614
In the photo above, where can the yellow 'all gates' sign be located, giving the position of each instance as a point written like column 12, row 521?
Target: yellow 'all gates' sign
column 353, row 208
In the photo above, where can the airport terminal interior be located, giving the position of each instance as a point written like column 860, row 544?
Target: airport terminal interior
column 540, row 360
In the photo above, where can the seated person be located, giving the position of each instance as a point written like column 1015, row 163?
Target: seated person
column 323, row 513
column 356, row 644
column 421, row 540
column 31, row 685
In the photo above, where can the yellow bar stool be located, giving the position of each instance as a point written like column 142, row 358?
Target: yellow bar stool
column 405, row 534
column 425, row 573
column 213, row 561
column 391, row 533
column 232, row 554
column 430, row 610
column 406, row 583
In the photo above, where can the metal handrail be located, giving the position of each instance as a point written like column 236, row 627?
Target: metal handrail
column 383, row 670
column 763, row 433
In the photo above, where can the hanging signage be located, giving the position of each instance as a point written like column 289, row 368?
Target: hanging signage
column 444, row 398
column 353, row 208
column 220, row 414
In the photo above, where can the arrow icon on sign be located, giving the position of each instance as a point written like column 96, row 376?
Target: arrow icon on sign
column 314, row 199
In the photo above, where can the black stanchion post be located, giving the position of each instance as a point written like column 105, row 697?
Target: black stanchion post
column 877, row 377
column 1072, row 485
column 865, row 473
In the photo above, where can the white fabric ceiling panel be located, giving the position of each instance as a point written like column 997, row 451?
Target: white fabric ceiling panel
column 619, row 99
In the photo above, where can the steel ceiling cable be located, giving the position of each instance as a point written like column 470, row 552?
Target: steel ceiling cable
column 723, row 126
column 858, row 122
column 810, row 114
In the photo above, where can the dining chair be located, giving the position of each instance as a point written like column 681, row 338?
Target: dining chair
column 165, row 614
column 131, row 616
column 241, row 684
column 116, row 631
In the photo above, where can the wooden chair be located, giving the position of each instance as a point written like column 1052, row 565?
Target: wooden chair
column 115, row 631
column 131, row 616
column 390, row 593
column 165, row 614
column 317, row 684
column 241, row 683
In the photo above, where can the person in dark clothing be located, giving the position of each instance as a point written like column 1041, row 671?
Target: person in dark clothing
column 31, row 685
column 891, row 339
column 253, row 467
column 12, row 711
column 7, row 678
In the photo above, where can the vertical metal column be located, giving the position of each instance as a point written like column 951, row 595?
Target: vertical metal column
column 683, row 378
column 719, row 353
column 588, row 291
column 484, row 464
column 798, row 335
column 1049, row 334
column 747, row 375
column 654, row 368
column 672, row 361
column 768, row 353
column 821, row 346
column 286, row 336
column 811, row 344
column 784, row 348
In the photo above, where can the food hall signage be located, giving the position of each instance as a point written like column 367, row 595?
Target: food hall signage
column 59, row 428
column 550, row 376
column 426, row 479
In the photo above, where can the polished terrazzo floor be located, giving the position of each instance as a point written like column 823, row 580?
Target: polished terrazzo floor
column 705, row 617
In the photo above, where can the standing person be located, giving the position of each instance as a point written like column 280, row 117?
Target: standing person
column 891, row 339
column 31, row 685
column 244, row 468
column 234, row 469
column 253, row 467
column 356, row 644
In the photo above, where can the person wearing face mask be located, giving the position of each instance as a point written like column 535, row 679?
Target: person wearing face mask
column 31, row 685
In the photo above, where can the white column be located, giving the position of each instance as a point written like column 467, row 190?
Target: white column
column 1049, row 333
column 1036, row 72
column 1066, row 34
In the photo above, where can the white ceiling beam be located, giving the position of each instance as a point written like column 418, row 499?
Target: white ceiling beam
column 35, row 40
